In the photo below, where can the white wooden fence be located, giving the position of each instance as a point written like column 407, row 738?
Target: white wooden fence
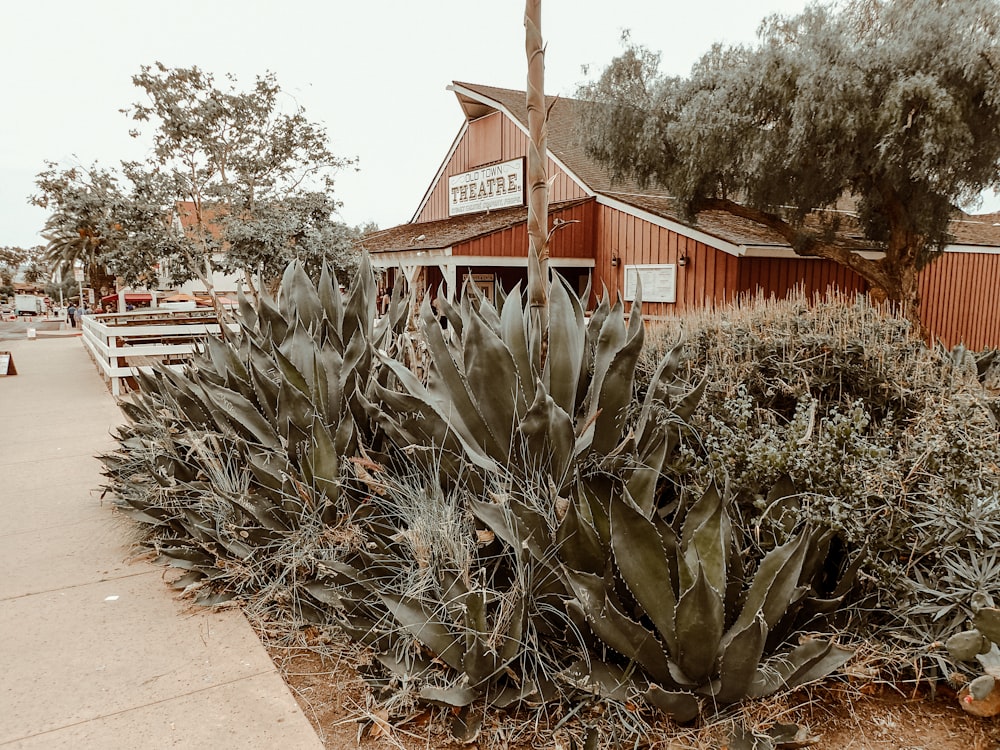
column 122, row 344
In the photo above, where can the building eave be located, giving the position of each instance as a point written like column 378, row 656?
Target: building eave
column 674, row 226
column 445, row 256
column 784, row 252
column 977, row 249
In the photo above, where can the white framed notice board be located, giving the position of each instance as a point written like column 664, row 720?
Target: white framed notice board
column 659, row 282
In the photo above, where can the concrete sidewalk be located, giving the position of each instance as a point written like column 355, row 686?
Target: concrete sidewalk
column 94, row 651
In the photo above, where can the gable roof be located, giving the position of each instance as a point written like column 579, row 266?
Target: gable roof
column 719, row 229
column 738, row 231
column 566, row 145
column 562, row 137
column 982, row 230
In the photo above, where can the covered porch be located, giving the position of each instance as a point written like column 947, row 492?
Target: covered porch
column 488, row 249
column 428, row 271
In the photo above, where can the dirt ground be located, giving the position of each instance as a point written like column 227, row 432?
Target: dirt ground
column 846, row 720
column 839, row 716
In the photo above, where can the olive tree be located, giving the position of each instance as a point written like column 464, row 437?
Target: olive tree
column 891, row 104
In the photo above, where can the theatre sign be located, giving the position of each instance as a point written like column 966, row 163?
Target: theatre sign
column 487, row 188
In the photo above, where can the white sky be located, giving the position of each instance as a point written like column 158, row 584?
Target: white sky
column 373, row 72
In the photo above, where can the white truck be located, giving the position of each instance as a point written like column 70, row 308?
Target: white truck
column 28, row 304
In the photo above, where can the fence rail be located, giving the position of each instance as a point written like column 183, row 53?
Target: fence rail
column 123, row 344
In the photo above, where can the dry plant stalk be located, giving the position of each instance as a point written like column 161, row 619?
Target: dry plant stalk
column 538, row 189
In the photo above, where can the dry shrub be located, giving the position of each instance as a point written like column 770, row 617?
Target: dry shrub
column 891, row 443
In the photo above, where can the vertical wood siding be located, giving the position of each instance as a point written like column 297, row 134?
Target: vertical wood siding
column 514, row 144
column 709, row 278
column 485, row 140
column 958, row 299
column 778, row 277
column 958, row 291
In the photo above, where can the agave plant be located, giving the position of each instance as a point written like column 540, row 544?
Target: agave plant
column 541, row 441
column 450, row 618
column 495, row 419
column 492, row 399
column 685, row 618
column 281, row 398
column 570, row 425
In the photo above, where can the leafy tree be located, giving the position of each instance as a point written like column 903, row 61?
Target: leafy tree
column 28, row 262
column 62, row 289
column 239, row 161
column 11, row 259
column 299, row 227
column 894, row 104
column 146, row 229
column 35, row 271
column 258, row 180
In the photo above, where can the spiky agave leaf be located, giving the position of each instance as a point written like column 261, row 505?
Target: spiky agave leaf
column 683, row 586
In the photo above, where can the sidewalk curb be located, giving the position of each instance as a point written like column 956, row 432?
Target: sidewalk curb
column 97, row 651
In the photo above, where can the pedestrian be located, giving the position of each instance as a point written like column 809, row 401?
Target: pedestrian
column 71, row 315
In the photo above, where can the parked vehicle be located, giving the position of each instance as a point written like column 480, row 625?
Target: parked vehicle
column 28, row 304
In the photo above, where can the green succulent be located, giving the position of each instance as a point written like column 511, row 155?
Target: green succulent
column 224, row 461
column 980, row 644
column 573, row 567
column 685, row 619
column 492, row 399
column 601, row 453
column 451, row 616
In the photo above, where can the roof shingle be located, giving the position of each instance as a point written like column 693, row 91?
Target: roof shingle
column 566, row 145
column 444, row 233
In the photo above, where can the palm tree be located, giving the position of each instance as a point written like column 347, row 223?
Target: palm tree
column 72, row 241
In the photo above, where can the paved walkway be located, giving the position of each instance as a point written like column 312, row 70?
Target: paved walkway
column 94, row 651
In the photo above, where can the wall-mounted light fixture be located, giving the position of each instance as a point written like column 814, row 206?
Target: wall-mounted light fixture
column 682, row 261
column 615, row 260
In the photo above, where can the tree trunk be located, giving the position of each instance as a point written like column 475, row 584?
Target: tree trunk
column 904, row 248
column 898, row 284
column 892, row 279
column 248, row 278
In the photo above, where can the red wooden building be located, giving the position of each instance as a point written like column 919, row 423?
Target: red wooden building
column 471, row 224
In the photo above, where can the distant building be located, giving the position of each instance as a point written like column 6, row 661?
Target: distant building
column 470, row 226
column 224, row 283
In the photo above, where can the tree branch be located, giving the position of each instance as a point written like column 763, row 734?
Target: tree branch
column 802, row 242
